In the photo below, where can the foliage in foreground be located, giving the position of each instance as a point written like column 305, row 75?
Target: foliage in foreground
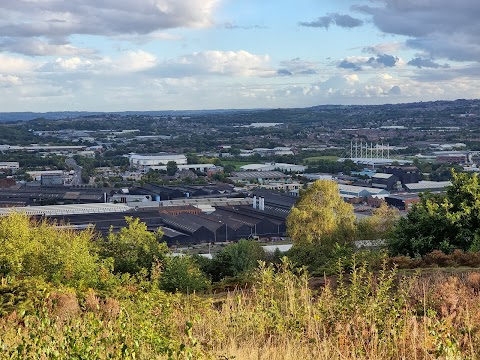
column 36, row 248
column 356, row 315
column 441, row 222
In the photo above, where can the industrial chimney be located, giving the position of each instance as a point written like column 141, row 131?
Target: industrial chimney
column 262, row 204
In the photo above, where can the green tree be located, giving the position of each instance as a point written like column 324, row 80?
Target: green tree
column 134, row 248
column 235, row 260
column 59, row 255
column 321, row 216
column 181, row 273
column 192, row 158
column 380, row 225
column 318, row 258
column 171, row 168
column 229, row 168
column 444, row 172
column 441, row 222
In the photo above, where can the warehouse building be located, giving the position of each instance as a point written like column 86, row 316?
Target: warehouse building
column 51, row 195
column 143, row 161
column 402, row 201
column 9, row 165
column 258, row 176
column 406, row 174
column 386, row 181
column 424, row 186
column 351, row 191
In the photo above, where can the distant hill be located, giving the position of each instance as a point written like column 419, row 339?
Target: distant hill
column 431, row 105
column 54, row 115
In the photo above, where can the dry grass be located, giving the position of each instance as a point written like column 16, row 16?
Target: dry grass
column 281, row 318
column 365, row 317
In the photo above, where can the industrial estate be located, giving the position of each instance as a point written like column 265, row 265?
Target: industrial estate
column 234, row 174
column 292, row 233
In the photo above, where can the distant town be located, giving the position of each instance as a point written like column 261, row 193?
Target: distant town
column 220, row 176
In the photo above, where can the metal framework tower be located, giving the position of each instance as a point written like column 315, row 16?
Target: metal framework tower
column 364, row 150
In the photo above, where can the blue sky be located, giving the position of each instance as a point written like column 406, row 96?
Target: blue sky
column 104, row 55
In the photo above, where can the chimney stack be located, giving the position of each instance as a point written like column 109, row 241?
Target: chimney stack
column 255, row 202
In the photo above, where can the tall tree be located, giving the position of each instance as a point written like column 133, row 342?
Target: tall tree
column 442, row 222
column 134, row 247
column 379, row 225
column 171, row 168
column 321, row 216
column 61, row 255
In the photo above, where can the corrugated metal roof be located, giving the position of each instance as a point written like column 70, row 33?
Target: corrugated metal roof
column 358, row 189
column 382, row 176
column 258, row 175
column 206, row 201
column 427, row 185
column 171, row 232
column 66, row 209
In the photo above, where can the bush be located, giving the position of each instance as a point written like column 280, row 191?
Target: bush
column 133, row 248
column 59, row 255
column 441, row 222
column 235, row 260
column 181, row 273
column 319, row 259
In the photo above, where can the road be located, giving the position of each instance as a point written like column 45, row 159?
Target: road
column 77, row 177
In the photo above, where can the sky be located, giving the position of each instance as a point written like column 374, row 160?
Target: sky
column 119, row 55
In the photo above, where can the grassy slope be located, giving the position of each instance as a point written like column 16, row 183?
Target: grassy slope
column 368, row 317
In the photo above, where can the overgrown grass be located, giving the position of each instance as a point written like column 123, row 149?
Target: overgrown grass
column 363, row 315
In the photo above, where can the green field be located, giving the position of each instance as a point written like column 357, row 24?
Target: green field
column 318, row 158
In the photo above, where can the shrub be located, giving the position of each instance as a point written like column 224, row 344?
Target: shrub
column 181, row 273
column 59, row 255
column 234, row 260
column 134, row 247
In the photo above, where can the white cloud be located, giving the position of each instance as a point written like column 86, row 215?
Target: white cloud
column 224, row 63
column 44, row 27
column 241, row 63
column 136, row 61
column 72, row 64
column 9, row 80
column 385, row 48
column 37, row 47
column 299, row 67
column 440, row 28
column 15, row 64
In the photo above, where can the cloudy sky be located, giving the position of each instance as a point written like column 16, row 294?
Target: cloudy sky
column 114, row 55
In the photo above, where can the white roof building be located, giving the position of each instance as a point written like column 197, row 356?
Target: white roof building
column 377, row 161
column 360, row 191
column 382, row 176
column 10, row 165
column 274, row 166
column 66, row 209
column 318, row 176
column 196, row 167
column 428, row 186
column 37, row 175
column 267, row 152
column 142, row 161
